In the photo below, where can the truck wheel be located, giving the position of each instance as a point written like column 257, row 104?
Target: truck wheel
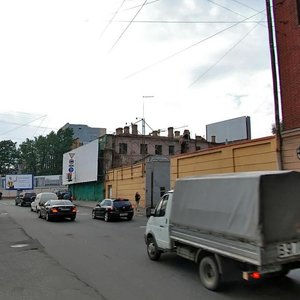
column 152, row 249
column 209, row 273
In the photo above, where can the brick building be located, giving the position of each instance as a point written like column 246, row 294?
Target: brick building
column 287, row 32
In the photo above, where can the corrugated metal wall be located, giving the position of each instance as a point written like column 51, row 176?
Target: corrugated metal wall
column 89, row 191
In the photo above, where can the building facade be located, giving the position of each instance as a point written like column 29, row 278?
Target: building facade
column 287, row 31
column 127, row 147
column 84, row 134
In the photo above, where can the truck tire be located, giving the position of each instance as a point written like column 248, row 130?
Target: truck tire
column 152, row 249
column 209, row 273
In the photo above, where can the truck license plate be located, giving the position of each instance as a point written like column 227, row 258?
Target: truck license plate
column 288, row 249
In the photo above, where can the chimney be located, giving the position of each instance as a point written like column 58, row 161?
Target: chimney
column 170, row 132
column 119, row 131
column 177, row 134
column 126, row 130
column 134, row 129
column 186, row 132
column 154, row 133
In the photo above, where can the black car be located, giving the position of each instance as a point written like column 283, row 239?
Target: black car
column 109, row 209
column 26, row 199
column 55, row 209
column 63, row 194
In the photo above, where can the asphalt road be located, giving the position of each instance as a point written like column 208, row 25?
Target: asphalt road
column 92, row 259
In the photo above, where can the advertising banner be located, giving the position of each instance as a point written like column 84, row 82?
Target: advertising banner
column 19, row 182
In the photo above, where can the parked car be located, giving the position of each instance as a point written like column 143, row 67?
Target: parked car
column 64, row 194
column 42, row 198
column 55, row 209
column 109, row 209
column 25, row 199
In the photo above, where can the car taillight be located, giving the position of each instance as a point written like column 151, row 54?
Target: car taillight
column 110, row 209
column 74, row 209
column 54, row 210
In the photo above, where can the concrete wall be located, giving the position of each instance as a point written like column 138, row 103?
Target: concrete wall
column 254, row 155
column 125, row 182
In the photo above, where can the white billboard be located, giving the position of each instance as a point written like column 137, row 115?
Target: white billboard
column 19, row 182
column 81, row 164
column 229, row 130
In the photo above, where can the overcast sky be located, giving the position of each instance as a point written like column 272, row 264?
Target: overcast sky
column 93, row 62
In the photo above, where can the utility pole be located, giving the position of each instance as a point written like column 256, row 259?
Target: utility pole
column 275, row 82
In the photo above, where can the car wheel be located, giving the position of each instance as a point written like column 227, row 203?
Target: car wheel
column 152, row 249
column 106, row 217
column 209, row 273
column 129, row 218
column 31, row 208
column 16, row 204
column 94, row 214
column 47, row 217
column 73, row 218
column 40, row 215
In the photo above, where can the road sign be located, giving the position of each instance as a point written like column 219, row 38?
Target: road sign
column 71, row 170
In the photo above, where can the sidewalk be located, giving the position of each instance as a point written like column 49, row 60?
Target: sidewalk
column 92, row 204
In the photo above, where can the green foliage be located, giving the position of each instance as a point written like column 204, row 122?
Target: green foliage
column 8, row 157
column 41, row 156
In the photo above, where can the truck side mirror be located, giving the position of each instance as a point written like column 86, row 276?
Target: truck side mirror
column 149, row 212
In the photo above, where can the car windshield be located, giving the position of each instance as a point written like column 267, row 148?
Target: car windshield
column 60, row 202
column 120, row 203
column 29, row 194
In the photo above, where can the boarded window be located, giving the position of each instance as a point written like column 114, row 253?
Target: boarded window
column 158, row 149
column 144, row 149
column 298, row 11
column 123, row 148
column 171, row 150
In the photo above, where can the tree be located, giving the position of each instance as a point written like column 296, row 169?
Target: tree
column 28, row 157
column 8, row 157
column 44, row 155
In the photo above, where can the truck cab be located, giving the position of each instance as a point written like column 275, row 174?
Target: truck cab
column 157, row 235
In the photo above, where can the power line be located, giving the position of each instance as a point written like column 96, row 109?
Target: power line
column 109, row 22
column 243, row 4
column 136, row 6
column 118, row 39
column 188, row 22
column 189, row 47
column 225, row 54
column 23, row 125
column 224, row 7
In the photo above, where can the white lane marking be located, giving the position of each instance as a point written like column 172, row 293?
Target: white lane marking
column 19, row 245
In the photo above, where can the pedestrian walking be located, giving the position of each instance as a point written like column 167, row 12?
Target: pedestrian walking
column 137, row 200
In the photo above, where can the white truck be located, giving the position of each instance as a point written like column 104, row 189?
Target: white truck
column 244, row 225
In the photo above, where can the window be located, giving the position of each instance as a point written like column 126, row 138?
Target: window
column 171, row 150
column 161, row 208
column 158, row 149
column 144, row 149
column 122, row 148
column 298, row 10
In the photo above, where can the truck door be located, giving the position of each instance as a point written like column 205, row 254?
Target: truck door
column 160, row 222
